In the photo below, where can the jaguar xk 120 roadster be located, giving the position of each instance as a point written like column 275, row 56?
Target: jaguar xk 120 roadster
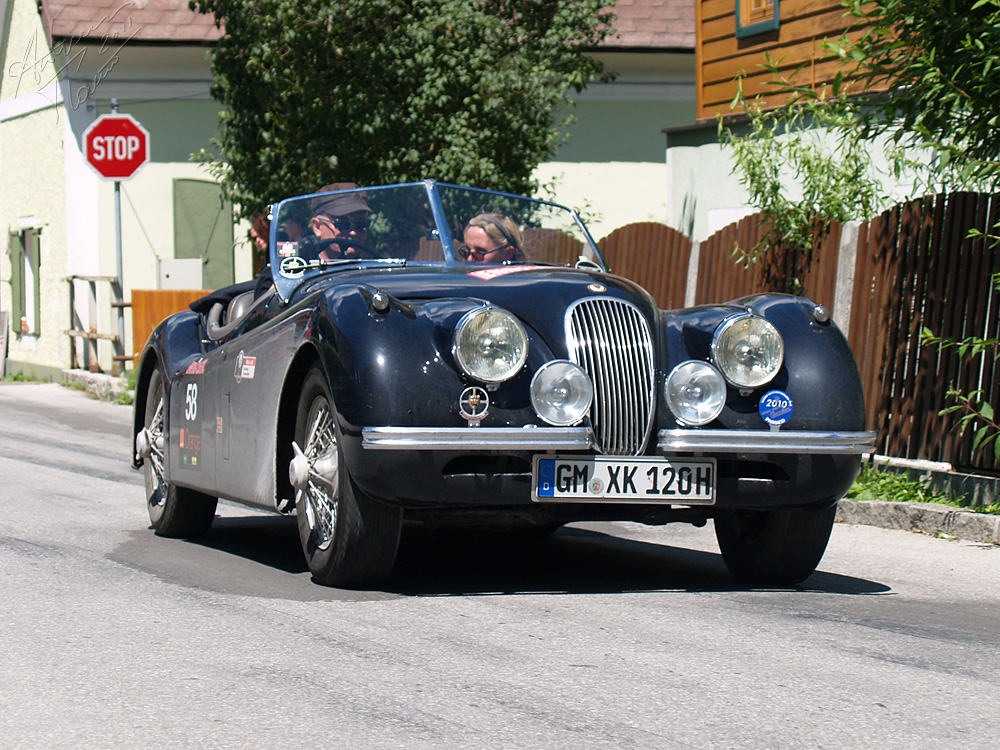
column 461, row 357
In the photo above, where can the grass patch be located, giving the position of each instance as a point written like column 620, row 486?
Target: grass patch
column 876, row 484
column 125, row 399
column 24, row 377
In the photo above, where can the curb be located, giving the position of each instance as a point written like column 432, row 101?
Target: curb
column 927, row 518
column 99, row 385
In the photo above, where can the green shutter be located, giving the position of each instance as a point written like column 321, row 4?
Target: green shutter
column 33, row 253
column 16, row 281
column 203, row 228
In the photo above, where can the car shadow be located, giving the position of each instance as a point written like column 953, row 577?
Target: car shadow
column 573, row 560
column 271, row 541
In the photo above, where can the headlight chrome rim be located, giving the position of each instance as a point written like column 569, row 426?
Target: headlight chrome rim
column 731, row 370
column 463, row 355
column 708, row 410
column 561, row 372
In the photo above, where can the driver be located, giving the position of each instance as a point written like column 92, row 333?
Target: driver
column 339, row 216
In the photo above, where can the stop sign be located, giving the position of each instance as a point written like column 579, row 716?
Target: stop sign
column 116, row 146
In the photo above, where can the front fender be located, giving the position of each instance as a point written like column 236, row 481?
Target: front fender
column 174, row 340
column 819, row 371
column 396, row 367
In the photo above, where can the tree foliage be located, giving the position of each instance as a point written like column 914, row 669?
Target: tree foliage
column 804, row 166
column 379, row 91
column 940, row 59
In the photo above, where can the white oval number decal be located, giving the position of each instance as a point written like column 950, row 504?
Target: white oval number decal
column 191, row 402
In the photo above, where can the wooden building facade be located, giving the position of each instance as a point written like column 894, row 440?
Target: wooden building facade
column 734, row 38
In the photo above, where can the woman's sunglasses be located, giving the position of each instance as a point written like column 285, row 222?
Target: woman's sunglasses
column 478, row 254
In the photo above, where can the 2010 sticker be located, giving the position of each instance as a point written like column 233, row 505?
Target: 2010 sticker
column 776, row 407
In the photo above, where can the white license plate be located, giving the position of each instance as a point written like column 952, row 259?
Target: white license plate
column 633, row 480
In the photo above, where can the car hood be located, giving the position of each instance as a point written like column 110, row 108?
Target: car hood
column 518, row 288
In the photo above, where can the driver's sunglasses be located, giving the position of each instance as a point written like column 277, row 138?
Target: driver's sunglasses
column 346, row 224
column 477, row 254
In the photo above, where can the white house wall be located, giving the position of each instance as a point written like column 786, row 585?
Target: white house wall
column 32, row 181
column 43, row 173
column 612, row 167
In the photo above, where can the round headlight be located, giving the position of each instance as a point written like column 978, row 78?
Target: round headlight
column 561, row 393
column 748, row 350
column 490, row 345
column 695, row 392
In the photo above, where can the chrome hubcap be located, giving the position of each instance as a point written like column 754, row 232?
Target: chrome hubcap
column 314, row 473
column 149, row 445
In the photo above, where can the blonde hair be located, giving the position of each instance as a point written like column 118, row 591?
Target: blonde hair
column 502, row 229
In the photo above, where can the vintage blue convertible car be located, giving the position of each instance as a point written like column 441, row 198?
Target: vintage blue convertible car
column 461, row 357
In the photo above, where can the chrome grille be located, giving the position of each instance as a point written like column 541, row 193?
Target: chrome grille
column 610, row 339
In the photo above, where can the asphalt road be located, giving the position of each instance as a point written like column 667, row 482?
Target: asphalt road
column 603, row 636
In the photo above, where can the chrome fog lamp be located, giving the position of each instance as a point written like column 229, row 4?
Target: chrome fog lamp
column 695, row 392
column 748, row 350
column 561, row 393
column 490, row 345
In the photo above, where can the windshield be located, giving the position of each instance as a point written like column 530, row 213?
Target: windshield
column 420, row 223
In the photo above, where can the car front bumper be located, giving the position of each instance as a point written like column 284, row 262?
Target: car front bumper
column 582, row 438
column 490, row 467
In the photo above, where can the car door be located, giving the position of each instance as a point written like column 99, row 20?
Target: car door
column 248, row 375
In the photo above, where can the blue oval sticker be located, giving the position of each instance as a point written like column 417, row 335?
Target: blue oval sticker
column 776, row 407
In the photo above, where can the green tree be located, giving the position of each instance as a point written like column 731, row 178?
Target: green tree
column 380, row 91
column 804, row 166
column 940, row 61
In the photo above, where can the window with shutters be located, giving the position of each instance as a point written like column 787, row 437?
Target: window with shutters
column 25, row 281
column 756, row 16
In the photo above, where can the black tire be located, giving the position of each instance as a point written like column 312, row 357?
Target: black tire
column 175, row 512
column 349, row 539
column 775, row 547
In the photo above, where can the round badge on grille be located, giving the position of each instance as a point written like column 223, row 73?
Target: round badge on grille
column 473, row 405
column 597, row 288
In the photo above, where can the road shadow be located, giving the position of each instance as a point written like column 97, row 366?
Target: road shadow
column 572, row 561
column 261, row 556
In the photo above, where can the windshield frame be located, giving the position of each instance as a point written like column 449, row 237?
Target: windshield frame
column 285, row 283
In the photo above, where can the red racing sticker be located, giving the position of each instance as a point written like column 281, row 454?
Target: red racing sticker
column 196, row 368
column 245, row 366
column 491, row 273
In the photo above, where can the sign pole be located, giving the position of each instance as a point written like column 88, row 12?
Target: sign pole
column 116, row 364
column 116, row 147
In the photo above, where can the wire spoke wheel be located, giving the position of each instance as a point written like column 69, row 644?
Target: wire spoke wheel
column 319, row 496
column 173, row 511
column 153, row 466
column 348, row 539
